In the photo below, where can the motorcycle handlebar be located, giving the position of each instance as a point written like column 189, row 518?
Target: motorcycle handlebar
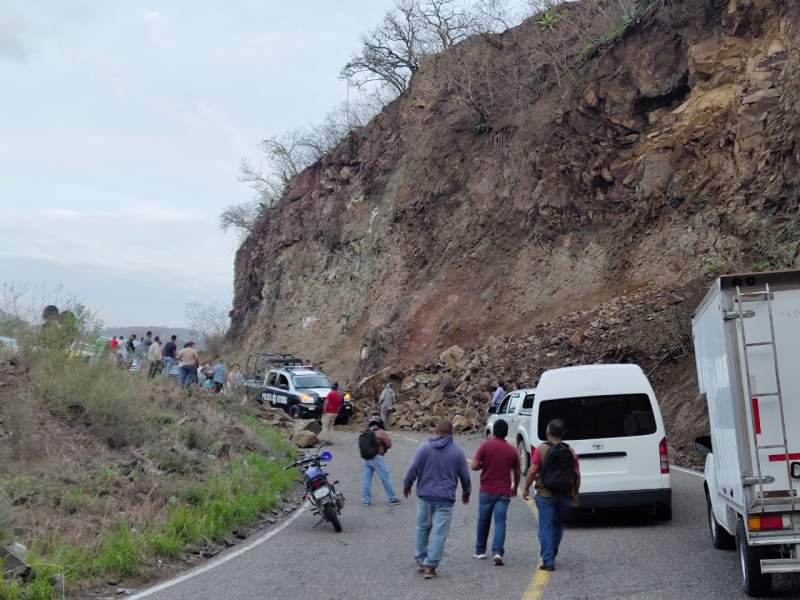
column 304, row 461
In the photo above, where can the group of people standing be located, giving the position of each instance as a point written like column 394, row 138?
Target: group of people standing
column 440, row 465
column 148, row 354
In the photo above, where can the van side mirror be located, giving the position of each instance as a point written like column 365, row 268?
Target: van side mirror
column 702, row 444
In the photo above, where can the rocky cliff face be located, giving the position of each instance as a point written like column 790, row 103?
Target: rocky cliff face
column 499, row 193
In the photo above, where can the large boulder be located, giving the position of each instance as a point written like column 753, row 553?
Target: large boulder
column 307, row 425
column 304, row 439
column 461, row 423
column 453, row 356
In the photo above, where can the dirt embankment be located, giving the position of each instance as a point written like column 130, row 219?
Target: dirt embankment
column 665, row 157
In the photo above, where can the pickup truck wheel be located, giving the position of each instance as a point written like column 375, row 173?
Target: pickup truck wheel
column 294, row 412
column 720, row 539
column 754, row 582
column 524, row 457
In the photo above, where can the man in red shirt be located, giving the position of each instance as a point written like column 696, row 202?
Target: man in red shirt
column 496, row 460
column 330, row 410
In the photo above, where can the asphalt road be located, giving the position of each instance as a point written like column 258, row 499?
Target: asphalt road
column 613, row 556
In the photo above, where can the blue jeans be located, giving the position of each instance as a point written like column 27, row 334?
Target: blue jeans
column 377, row 464
column 433, row 525
column 168, row 362
column 497, row 505
column 187, row 375
column 552, row 513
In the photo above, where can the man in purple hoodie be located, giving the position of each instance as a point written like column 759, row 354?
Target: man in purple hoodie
column 437, row 468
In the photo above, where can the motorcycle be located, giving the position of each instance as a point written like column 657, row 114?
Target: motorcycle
column 321, row 494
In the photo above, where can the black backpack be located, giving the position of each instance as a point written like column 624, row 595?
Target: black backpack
column 558, row 470
column 368, row 445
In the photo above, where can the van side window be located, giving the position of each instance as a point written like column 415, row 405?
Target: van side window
column 613, row 416
column 527, row 405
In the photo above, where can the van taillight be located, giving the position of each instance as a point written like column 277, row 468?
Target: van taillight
column 663, row 454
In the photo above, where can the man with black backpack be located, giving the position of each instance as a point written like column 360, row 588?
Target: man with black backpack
column 556, row 470
column 373, row 444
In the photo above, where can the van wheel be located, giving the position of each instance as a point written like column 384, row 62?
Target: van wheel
column 663, row 511
column 754, row 582
column 720, row 539
column 524, row 457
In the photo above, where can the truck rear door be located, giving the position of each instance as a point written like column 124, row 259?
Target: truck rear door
column 768, row 336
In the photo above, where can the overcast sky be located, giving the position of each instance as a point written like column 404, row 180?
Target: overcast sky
column 122, row 127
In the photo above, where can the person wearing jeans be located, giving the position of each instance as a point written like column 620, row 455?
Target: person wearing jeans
column 377, row 464
column 553, row 504
column 433, row 525
column 553, row 511
column 438, row 467
column 497, row 461
column 187, row 358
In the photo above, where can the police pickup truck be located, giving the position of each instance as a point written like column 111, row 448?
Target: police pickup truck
column 301, row 392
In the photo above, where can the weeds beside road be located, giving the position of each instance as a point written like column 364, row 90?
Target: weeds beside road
column 106, row 477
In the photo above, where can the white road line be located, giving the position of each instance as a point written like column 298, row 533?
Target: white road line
column 405, row 437
column 221, row 560
column 689, row 471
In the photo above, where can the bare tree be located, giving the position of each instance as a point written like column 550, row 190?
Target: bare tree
column 391, row 52
column 240, row 217
column 445, row 23
column 211, row 321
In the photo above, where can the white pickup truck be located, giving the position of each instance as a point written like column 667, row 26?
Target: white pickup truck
column 747, row 347
column 516, row 409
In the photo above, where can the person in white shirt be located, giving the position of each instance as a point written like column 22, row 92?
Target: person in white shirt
column 154, row 356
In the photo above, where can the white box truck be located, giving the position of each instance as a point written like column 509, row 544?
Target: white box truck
column 747, row 348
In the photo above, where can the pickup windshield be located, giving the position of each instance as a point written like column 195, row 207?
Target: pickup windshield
column 592, row 417
column 311, row 381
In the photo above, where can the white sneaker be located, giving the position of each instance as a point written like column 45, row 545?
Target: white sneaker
column 498, row 560
column 479, row 556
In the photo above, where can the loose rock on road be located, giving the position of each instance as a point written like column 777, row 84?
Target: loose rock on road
column 624, row 555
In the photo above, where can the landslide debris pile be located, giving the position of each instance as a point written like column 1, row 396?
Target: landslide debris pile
column 663, row 155
column 648, row 328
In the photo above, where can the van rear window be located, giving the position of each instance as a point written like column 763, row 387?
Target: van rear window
column 621, row 415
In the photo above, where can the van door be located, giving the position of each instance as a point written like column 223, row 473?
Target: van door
column 616, row 437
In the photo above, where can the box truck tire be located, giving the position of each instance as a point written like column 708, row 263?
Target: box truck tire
column 720, row 539
column 754, row 582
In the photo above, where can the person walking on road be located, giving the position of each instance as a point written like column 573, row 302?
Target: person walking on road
column 168, row 354
column 154, row 357
column 497, row 460
column 438, row 467
column 498, row 395
column 556, row 470
column 187, row 360
column 388, row 398
column 330, row 410
column 373, row 444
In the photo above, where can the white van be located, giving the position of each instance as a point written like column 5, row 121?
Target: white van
column 614, row 423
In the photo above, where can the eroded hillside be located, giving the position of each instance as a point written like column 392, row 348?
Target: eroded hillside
column 499, row 193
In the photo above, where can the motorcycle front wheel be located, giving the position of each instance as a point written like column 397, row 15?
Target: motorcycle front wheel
column 332, row 516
